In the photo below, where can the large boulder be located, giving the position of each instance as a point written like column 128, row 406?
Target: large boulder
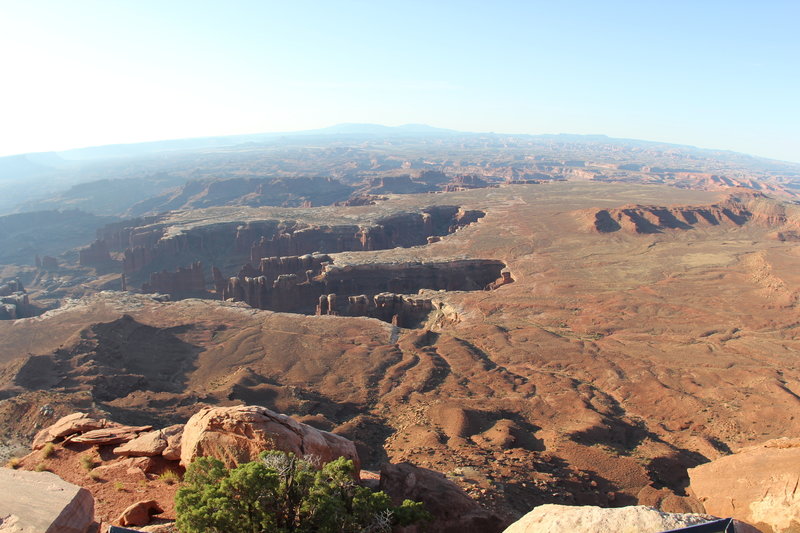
column 66, row 426
column 551, row 518
column 757, row 484
column 42, row 501
column 238, row 434
column 453, row 511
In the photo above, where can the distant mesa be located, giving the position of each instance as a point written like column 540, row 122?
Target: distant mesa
column 251, row 192
column 737, row 210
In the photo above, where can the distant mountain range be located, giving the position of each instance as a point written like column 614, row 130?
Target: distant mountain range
column 109, row 179
column 38, row 163
column 347, row 129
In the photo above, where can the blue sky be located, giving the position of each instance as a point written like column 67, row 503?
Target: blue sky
column 708, row 73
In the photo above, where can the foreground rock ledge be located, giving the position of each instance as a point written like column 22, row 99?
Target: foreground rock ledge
column 758, row 484
column 43, row 502
column 238, row 434
column 553, row 518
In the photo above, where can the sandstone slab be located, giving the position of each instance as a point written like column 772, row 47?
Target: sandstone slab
column 66, row 426
column 43, row 502
column 757, row 485
column 147, row 444
column 238, row 434
column 113, row 435
column 551, row 518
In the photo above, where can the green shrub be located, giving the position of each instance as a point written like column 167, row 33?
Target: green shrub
column 280, row 493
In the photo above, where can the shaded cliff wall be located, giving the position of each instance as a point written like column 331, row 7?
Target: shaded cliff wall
column 181, row 283
column 364, row 290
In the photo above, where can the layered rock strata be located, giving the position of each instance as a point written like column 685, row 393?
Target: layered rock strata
column 184, row 282
column 144, row 242
column 94, row 255
column 364, row 290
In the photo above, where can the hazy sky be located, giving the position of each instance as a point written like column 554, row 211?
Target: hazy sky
column 715, row 74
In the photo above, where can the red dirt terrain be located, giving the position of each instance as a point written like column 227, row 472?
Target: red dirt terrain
column 647, row 330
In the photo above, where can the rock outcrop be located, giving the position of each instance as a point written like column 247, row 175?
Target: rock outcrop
column 238, row 434
column 147, row 444
column 42, row 501
column 66, row 426
column 551, row 518
column 109, row 435
column 452, row 509
column 140, row 513
column 757, row 485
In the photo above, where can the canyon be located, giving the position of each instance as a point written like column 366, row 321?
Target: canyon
column 536, row 340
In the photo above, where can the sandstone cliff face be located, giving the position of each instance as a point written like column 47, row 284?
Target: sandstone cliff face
column 155, row 246
column 94, row 255
column 364, row 290
column 404, row 230
column 125, row 234
column 757, row 485
column 182, row 283
column 146, row 244
column 397, row 309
